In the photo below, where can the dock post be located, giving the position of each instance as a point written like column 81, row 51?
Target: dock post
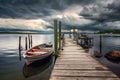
column 100, row 44
column 73, row 33
column 77, row 38
column 31, row 41
column 70, row 34
column 63, row 40
column 26, row 43
column 59, row 34
column 20, row 48
column 55, row 38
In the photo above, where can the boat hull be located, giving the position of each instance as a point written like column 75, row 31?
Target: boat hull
column 30, row 60
column 36, row 53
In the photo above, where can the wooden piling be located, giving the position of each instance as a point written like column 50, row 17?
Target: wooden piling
column 26, row 43
column 100, row 44
column 19, row 42
column 70, row 34
column 31, row 41
column 73, row 33
column 55, row 38
column 19, row 47
column 63, row 41
column 77, row 38
column 60, row 35
column 92, row 41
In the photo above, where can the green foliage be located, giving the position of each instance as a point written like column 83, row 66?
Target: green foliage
column 115, row 31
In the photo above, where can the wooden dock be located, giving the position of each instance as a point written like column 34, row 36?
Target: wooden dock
column 76, row 64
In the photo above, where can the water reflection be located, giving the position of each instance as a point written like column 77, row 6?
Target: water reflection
column 113, row 56
column 113, row 61
column 37, row 67
column 12, row 68
column 108, row 44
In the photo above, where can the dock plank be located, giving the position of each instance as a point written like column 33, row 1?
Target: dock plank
column 79, row 67
column 85, row 73
column 82, row 78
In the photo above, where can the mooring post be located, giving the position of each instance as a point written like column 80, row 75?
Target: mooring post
column 77, row 38
column 73, row 33
column 19, row 42
column 59, row 34
column 92, row 41
column 63, row 36
column 69, row 34
column 19, row 47
column 55, row 38
column 31, row 41
column 100, row 44
column 26, row 43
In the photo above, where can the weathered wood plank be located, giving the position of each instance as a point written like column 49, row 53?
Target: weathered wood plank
column 78, row 73
column 80, row 56
column 69, row 66
column 75, row 58
column 74, row 51
column 76, row 62
column 82, row 78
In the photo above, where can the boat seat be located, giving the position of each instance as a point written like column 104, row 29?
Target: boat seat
column 36, row 52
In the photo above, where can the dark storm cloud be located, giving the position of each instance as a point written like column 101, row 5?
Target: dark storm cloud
column 32, row 9
column 105, row 13
column 115, row 8
column 35, row 8
column 22, row 9
column 84, row 14
column 81, row 2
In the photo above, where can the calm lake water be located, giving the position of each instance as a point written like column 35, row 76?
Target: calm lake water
column 12, row 68
column 10, row 65
column 109, row 43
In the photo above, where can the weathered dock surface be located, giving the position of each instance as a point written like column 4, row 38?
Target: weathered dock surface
column 75, row 64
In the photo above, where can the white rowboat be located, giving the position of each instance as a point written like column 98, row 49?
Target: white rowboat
column 38, row 53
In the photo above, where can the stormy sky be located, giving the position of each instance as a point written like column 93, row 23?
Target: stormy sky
column 85, row 15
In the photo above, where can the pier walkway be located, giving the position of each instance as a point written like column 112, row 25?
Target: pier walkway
column 76, row 64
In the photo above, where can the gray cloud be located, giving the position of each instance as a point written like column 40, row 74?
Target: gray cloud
column 35, row 8
column 84, row 14
column 115, row 8
column 103, row 12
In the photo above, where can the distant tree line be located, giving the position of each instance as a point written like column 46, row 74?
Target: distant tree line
column 116, row 31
